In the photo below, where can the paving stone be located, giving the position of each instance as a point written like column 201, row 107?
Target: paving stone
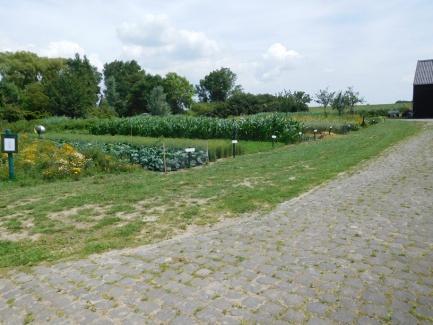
column 317, row 308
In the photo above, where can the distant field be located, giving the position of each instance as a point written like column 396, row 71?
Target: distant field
column 370, row 108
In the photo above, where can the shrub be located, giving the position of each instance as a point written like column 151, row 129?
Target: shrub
column 49, row 160
column 53, row 123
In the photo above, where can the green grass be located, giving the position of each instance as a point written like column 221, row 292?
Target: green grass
column 144, row 207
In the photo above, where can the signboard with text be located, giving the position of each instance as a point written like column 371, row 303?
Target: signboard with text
column 9, row 143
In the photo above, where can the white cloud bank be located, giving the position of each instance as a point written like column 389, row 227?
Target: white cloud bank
column 154, row 37
column 68, row 49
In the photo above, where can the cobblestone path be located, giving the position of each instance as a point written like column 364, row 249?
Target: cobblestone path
column 356, row 250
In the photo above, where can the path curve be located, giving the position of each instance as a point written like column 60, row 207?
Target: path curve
column 356, row 250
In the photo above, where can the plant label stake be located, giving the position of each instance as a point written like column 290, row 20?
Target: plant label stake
column 207, row 151
column 330, row 129
column 273, row 140
column 300, row 136
column 9, row 144
column 234, row 142
column 189, row 151
column 165, row 161
column 315, row 132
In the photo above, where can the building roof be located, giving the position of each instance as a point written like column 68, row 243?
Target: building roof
column 424, row 73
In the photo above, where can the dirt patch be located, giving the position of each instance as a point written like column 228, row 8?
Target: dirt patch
column 22, row 203
column 22, row 234
column 151, row 210
column 252, row 182
column 74, row 216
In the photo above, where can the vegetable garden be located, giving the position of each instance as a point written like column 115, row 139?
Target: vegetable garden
column 158, row 143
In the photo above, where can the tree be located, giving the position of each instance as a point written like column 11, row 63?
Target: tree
column 35, row 100
column 179, row 92
column 217, row 86
column 157, row 102
column 138, row 98
column 339, row 102
column 302, row 99
column 75, row 89
column 324, row 98
column 352, row 98
column 120, row 77
column 113, row 98
column 9, row 92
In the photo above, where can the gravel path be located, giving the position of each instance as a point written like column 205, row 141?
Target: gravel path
column 356, row 250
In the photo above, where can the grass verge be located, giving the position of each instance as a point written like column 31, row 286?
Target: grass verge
column 67, row 219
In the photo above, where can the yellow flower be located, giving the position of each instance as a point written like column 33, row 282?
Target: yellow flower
column 76, row 170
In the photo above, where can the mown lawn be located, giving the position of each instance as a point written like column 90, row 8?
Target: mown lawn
column 67, row 219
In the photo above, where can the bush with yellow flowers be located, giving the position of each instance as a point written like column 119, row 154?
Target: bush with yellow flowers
column 39, row 158
column 50, row 160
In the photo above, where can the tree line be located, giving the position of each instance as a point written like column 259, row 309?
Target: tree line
column 34, row 87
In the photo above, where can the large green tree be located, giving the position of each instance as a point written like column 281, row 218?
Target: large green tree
column 120, row 77
column 35, row 100
column 217, row 86
column 179, row 92
column 74, row 89
column 23, row 76
column 138, row 98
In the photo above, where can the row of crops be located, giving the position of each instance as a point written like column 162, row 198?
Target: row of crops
column 255, row 127
column 154, row 158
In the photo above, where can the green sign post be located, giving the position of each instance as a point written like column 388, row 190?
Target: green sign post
column 9, row 145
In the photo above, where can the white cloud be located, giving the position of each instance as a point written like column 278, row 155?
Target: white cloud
column 62, row 49
column 68, row 49
column 275, row 61
column 154, row 37
column 278, row 52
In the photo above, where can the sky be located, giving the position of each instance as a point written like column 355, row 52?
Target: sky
column 273, row 45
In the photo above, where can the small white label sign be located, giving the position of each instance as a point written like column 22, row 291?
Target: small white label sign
column 274, row 137
column 9, row 144
column 234, row 141
column 190, row 149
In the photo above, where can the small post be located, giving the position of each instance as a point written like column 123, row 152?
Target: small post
column 315, row 132
column 273, row 140
column 11, row 166
column 189, row 151
column 300, row 136
column 234, row 142
column 330, row 129
column 207, row 151
column 163, row 155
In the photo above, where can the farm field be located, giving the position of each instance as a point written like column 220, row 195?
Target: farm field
column 374, row 109
column 66, row 219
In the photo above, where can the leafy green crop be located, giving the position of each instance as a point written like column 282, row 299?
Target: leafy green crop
column 150, row 157
column 254, row 127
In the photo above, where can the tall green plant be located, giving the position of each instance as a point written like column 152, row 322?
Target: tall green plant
column 157, row 102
